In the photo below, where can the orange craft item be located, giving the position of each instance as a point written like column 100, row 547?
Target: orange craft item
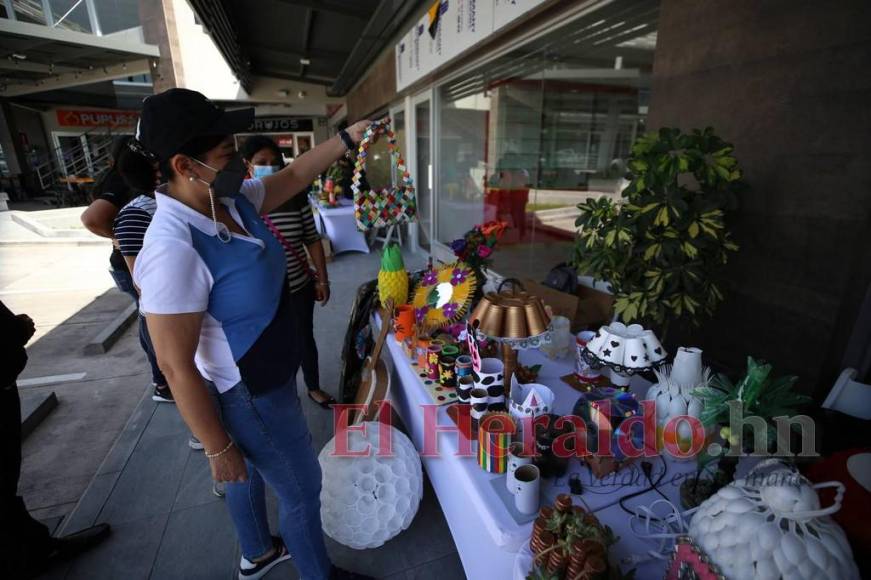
column 403, row 322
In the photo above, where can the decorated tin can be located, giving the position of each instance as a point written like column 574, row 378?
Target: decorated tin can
column 494, row 439
column 433, row 352
column 464, row 366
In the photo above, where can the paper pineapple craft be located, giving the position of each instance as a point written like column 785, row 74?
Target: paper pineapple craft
column 392, row 278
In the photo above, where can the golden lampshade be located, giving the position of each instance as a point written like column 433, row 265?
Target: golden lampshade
column 510, row 318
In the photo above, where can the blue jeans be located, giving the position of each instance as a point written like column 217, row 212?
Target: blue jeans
column 271, row 432
column 124, row 282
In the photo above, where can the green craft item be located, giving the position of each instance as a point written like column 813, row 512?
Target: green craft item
column 451, row 350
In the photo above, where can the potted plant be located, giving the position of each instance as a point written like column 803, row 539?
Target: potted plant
column 757, row 394
column 662, row 245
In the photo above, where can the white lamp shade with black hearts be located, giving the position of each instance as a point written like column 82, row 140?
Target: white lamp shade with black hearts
column 625, row 349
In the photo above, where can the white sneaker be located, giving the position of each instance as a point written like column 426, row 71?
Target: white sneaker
column 195, row 444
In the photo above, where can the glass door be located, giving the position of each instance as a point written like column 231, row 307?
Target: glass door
column 422, row 165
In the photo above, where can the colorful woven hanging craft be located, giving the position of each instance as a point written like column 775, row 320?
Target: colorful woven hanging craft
column 379, row 208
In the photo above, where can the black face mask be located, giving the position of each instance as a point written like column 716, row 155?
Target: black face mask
column 228, row 181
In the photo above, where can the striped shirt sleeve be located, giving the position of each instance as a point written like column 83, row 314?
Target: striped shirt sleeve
column 130, row 226
column 310, row 233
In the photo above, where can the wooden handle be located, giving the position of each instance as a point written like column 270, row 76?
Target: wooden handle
column 386, row 318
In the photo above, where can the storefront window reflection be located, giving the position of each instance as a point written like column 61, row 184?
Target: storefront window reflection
column 529, row 135
column 70, row 15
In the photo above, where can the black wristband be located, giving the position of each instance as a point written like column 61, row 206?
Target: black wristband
column 346, row 139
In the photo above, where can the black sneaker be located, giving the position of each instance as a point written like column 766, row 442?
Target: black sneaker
column 251, row 571
column 162, row 395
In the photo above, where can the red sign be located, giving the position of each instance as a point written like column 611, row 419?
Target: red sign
column 85, row 118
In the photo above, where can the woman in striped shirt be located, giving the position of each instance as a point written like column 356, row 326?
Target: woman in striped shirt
column 128, row 230
column 294, row 226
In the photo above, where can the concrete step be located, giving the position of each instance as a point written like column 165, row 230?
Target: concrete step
column 34, row 410
column 112, row 332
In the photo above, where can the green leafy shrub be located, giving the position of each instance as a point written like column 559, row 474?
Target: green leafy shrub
column 662, row 246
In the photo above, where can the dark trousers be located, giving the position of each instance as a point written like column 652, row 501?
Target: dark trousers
column 24, row 542
column 303, row 304
column 124, row 282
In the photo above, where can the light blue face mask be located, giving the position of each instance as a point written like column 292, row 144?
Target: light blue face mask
column 264, row 170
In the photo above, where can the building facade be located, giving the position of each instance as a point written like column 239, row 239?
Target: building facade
column 62, row 105
column 519, row 110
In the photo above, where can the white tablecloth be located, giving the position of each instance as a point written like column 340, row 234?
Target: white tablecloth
column 486, row 535
column 338, row 224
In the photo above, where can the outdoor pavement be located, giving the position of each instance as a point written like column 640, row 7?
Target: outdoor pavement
column 64, row 285
column 108, row 453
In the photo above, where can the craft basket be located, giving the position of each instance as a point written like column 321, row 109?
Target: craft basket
column 382, row 207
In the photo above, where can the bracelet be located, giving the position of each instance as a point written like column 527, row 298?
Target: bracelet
column 221, row 452
column 346, row 139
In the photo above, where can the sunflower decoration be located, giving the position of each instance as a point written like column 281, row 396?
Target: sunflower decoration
column 443, row 295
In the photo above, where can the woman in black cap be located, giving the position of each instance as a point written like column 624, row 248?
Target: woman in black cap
column 213, row 291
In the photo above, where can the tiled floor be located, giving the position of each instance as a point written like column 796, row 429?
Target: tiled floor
column 167, row 524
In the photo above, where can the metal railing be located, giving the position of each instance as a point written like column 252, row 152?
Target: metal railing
column 88, row 158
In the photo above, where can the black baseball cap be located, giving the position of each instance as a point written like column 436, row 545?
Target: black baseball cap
column 172, row 118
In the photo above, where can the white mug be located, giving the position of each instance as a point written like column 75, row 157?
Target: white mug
column 515, row 460
column 527, row 483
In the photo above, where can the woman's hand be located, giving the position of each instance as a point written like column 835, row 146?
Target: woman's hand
column 322, row 293
column 357, row 130
column 230, row 466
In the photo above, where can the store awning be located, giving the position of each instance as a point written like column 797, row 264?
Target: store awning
column 36, row 58
column 317, row 41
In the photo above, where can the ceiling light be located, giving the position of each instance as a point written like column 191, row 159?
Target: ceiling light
column 19, row 56
column 301, row 94
column 283, row 93
column 305, row 61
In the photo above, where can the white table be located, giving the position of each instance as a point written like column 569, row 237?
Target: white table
column 339, row 225
column 487, row 536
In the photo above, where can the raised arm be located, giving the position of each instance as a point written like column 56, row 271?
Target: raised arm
column 175, row 338
column 297, row 176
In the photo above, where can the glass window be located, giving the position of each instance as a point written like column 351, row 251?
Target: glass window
column 73, row 18
column 398, row 126
column 29, row 11
column 423, row 171
column 115, row 15
column 529, row 135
